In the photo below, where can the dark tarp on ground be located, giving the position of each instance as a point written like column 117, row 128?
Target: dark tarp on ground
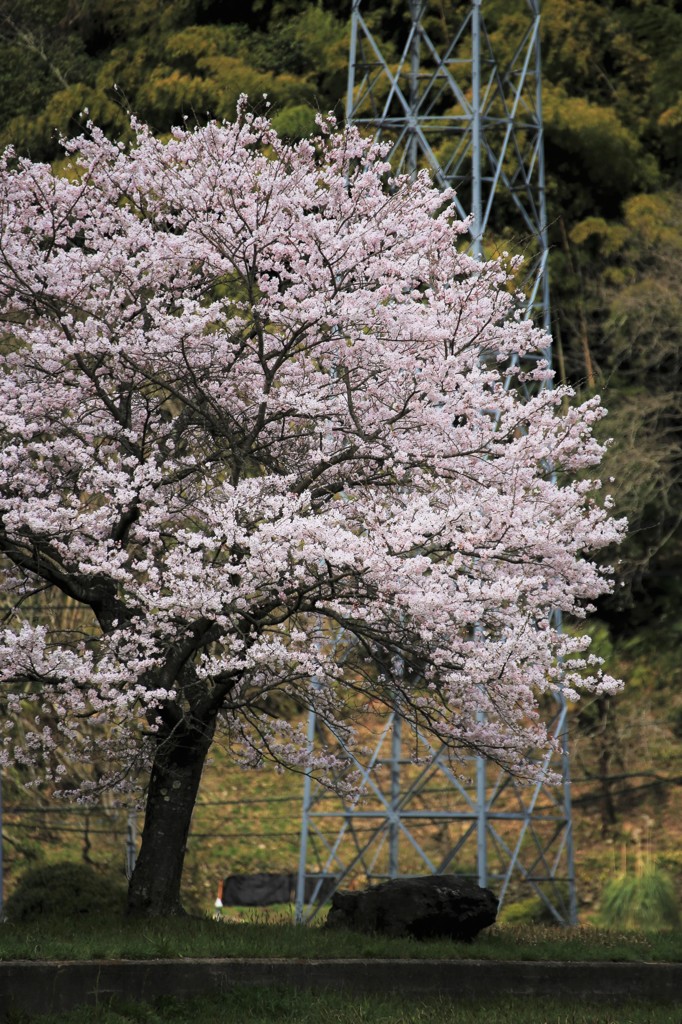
column 263, row 889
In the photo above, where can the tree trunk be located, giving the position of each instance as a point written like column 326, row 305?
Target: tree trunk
column 154, row 889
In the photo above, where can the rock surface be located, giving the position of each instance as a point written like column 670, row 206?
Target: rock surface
column 426, row 907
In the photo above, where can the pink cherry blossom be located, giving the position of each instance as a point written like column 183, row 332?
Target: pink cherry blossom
column 243, row 412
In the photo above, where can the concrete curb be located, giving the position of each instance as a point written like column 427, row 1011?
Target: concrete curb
column 52, row 986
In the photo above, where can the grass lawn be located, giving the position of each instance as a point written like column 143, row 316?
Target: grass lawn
column 94, row 937
column 244, row 1005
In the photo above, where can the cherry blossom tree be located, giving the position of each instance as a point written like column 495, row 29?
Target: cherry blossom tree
column 243, row 407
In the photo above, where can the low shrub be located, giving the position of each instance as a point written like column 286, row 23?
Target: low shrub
column 67, row 889
column 534, row 909
column 527, row 911
column 644, row 899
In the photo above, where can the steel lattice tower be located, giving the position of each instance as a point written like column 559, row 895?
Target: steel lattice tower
column 449, row 100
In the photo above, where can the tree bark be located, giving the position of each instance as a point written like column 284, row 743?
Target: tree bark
column 154, row 889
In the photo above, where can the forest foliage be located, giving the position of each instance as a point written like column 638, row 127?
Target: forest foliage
column 613, row 135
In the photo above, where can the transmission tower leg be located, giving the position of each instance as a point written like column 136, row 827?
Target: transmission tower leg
column 416, row 7
column 476, row 189
column 394, row 828
column 131, row 843
column 305, row 832
column 476, row 124
column 481, row 822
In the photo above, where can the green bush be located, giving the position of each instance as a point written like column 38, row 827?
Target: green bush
column 295, row 123
column 65, row 890
column 641, row 899
column 534, row 909
column 527, row 911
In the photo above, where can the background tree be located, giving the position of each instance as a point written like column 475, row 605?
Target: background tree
column 208, row 341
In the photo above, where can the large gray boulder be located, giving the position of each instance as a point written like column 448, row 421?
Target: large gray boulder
column 426, row 907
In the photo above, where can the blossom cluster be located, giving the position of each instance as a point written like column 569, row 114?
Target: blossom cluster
column 243, row 409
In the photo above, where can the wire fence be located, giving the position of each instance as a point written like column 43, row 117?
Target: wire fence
column 97, row 832
column 98, row 819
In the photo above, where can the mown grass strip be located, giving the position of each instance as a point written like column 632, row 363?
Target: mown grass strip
column 244, row 1005
column 89, row 938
